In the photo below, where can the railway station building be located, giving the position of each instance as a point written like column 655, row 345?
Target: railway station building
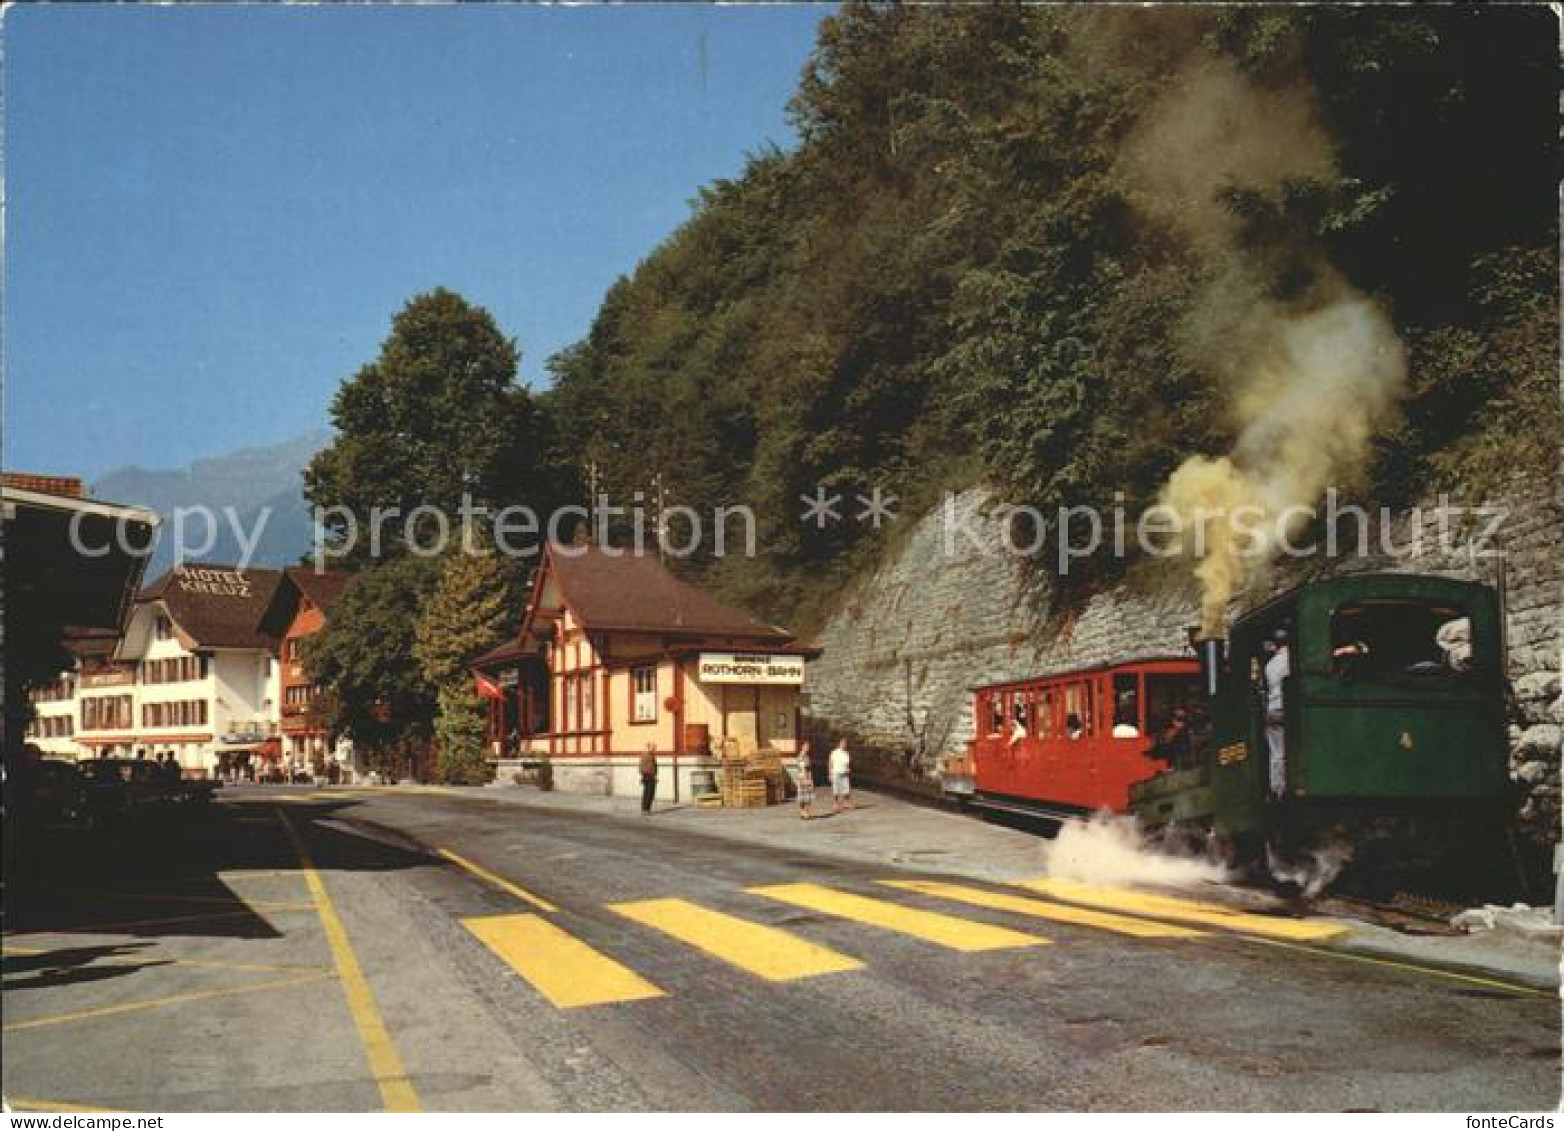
column 614, row 654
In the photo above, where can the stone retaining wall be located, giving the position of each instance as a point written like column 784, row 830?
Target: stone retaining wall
column 945, row 614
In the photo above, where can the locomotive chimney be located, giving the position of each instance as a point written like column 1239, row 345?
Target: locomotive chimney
column 1211, row 650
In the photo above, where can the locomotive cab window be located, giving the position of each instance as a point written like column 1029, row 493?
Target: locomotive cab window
column 1172, row 699
column 1400, row 637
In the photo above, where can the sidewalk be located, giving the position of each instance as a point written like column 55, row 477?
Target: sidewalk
column 886, row 831
column 879, row 830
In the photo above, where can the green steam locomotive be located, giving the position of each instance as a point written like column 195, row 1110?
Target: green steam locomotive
column 1365, row 712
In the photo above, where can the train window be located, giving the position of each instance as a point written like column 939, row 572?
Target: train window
column 1078, row 712
column 1045, row 714
column 1126, row 705
column 1399, row 637
column 1021, row 713
column 995, row 712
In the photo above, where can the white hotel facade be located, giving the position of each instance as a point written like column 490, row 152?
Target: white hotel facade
column 192, row 676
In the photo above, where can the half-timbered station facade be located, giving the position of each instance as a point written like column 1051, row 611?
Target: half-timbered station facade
column 615, row 654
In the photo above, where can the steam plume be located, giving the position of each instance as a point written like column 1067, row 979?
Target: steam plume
column 1310, row 380
column 1322, row 385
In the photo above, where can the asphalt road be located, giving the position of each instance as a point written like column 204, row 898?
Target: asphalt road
column 364, row 950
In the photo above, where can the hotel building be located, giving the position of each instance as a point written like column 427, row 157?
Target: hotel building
column 194, row 674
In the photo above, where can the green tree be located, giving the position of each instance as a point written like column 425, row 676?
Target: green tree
column 470, row 610
column 437, row 416
column 364, row 658
column 954, row 278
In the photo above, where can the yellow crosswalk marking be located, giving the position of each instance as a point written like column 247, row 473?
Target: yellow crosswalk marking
column 765, row 951
column 1046, row 909
column 931, row 926
column 1186, row 911
column 561, row 967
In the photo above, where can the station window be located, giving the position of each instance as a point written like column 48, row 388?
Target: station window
column 643, row 708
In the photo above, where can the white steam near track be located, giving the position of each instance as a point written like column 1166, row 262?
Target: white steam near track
column 1111, row 851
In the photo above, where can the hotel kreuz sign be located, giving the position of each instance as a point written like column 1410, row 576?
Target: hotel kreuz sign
column 750, row 667
column 217, row 582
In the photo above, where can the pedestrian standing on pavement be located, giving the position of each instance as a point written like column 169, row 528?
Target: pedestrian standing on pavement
column 840, row 765
column 804, row 769
column 648, row 778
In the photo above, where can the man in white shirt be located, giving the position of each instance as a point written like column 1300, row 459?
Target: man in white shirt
column 840, row 764
column 1277, row 669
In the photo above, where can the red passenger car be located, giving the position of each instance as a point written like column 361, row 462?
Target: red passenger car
column 1079, row 740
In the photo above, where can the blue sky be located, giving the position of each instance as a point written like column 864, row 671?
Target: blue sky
column 213, row 213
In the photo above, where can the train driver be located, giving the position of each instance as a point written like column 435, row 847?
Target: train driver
column 1277, row 668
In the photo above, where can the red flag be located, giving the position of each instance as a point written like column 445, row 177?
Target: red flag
column 487, row 688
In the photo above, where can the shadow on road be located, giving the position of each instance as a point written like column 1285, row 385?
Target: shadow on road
column 166, row 872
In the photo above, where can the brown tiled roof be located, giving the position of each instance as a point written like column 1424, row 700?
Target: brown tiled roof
column 507, row 653
column 90, row 643
column 638, row 594
column 217, row 606
column 67, row 485
column 321, row 588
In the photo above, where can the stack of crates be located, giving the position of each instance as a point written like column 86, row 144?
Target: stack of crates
column 751, row 781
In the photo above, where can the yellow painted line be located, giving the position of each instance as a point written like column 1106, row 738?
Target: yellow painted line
column 120, row 925
column 1047, row 909
column 561, row 967
column 767, row 952
column 1187, row 911
column 256, row 967
column 29, row 1103
column 500, row 882
column 225, row 901
column 930, row 926
column 158, row 1003
column 396, row 1090
column 1518, row 988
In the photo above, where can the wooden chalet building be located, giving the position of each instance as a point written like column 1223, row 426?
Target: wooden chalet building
column 300, row 609
column 615, row 654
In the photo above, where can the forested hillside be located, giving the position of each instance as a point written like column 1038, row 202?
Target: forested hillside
column 1025, row 246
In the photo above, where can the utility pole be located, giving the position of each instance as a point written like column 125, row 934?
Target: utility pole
column 657, row 502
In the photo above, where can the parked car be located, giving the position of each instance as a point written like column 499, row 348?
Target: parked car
column 105, row 792
column 124, row 783
column 59, row 793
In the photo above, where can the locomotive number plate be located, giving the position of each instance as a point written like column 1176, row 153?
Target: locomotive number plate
column 1231, row 753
